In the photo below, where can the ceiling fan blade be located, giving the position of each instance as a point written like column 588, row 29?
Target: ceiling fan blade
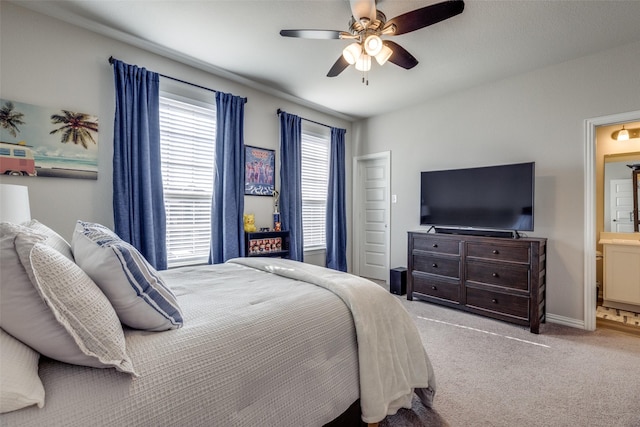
column 340, row 65
column 363, row 9
column 400, row 56
column 312, row 34
column 425, row 16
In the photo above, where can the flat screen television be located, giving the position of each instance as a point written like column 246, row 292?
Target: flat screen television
column 483, row 198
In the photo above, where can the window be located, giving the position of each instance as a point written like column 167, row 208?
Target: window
column 187, row 141
column 315, row 179
column 19, row 153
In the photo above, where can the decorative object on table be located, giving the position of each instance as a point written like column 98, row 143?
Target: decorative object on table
column 249, row 223
column 39, row 141
column 259, row 169
column 265, row 246
column 276, row 211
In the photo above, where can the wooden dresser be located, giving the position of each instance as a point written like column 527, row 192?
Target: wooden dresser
column 500, row 278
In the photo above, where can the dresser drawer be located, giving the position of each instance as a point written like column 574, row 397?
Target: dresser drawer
column 498, row 252
column 449, row 267
column 436, row 288
column 497, row 302
column 435, row 244
column 494, row 273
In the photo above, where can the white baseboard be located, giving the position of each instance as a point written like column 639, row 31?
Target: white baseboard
column 566, row 321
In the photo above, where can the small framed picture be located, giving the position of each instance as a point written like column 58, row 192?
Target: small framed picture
column 259, row 171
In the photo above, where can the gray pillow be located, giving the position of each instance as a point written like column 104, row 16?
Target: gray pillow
column 50, row 304
column 134, row 288
column 53, row 239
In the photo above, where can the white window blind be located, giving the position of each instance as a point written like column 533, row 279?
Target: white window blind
column 187, row 140
column 315, row 178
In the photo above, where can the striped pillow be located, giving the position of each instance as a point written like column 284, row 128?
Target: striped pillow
column 134, row 288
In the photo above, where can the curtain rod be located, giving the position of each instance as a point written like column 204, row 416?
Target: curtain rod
column 312, row 121
column 111, row 59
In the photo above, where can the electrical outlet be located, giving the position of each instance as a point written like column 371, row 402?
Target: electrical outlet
column 394, row 198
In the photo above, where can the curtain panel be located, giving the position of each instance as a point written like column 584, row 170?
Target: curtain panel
column 336, row 223
column 138, row 201
column 227, row 205
column 291, row 182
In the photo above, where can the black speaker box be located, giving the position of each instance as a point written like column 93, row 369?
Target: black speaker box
column 398, row 281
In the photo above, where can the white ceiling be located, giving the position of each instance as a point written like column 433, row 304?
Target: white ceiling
column 240, row 39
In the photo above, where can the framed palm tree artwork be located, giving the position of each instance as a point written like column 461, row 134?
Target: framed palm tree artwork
column 47, row 142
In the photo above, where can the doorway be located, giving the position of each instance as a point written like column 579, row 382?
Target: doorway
column 590, row 203
column 371, row 215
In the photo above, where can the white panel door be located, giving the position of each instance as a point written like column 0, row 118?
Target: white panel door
column 374, row 214
column 621, row 208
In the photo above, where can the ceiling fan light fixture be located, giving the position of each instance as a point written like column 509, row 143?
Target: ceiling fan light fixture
column 352, row 53
column 373, row 45
column 623, row 135
column 363, row 63
column 384, row 55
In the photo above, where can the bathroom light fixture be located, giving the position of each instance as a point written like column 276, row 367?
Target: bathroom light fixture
column 623, row 135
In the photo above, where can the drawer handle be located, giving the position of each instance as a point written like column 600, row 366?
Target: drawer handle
column 434, row 265
column 435, row 245
column 496, row 252
column 495, row 275
column 434, row 288
column 495, row 301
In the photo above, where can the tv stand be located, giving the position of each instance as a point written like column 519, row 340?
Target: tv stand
column 474, row 232
column 504, row 279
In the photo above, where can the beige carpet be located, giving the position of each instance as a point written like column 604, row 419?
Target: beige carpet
column 492, row 373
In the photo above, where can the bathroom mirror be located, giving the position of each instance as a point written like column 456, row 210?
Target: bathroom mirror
column 618, row 192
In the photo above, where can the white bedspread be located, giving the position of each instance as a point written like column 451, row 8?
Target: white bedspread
column 256, row 349
column 392, row 359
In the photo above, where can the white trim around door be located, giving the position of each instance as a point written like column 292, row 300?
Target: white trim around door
column 590, row 209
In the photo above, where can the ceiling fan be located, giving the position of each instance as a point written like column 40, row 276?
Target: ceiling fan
column 367, row 27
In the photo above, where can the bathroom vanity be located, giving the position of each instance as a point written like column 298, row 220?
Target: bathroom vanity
column 621, row 273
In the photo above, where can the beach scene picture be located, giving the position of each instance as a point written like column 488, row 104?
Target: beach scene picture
column 47, row 142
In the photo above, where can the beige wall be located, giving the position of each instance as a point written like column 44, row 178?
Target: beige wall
column 538, row 116
column 50, row 63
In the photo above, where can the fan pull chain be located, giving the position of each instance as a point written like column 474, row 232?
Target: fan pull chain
column 365, row 78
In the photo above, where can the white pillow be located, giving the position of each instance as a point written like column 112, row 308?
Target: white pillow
column 132, row 285
column 21, row 385
column 51, row 305
column 54, row 240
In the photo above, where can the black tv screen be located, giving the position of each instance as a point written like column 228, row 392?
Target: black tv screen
column 492, row 197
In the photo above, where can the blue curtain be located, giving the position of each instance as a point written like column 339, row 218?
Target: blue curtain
column 227, row 205
column 336, row 231
column 291, row 182
column 138, row 202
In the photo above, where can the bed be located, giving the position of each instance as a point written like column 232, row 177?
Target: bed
column 264, row 341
